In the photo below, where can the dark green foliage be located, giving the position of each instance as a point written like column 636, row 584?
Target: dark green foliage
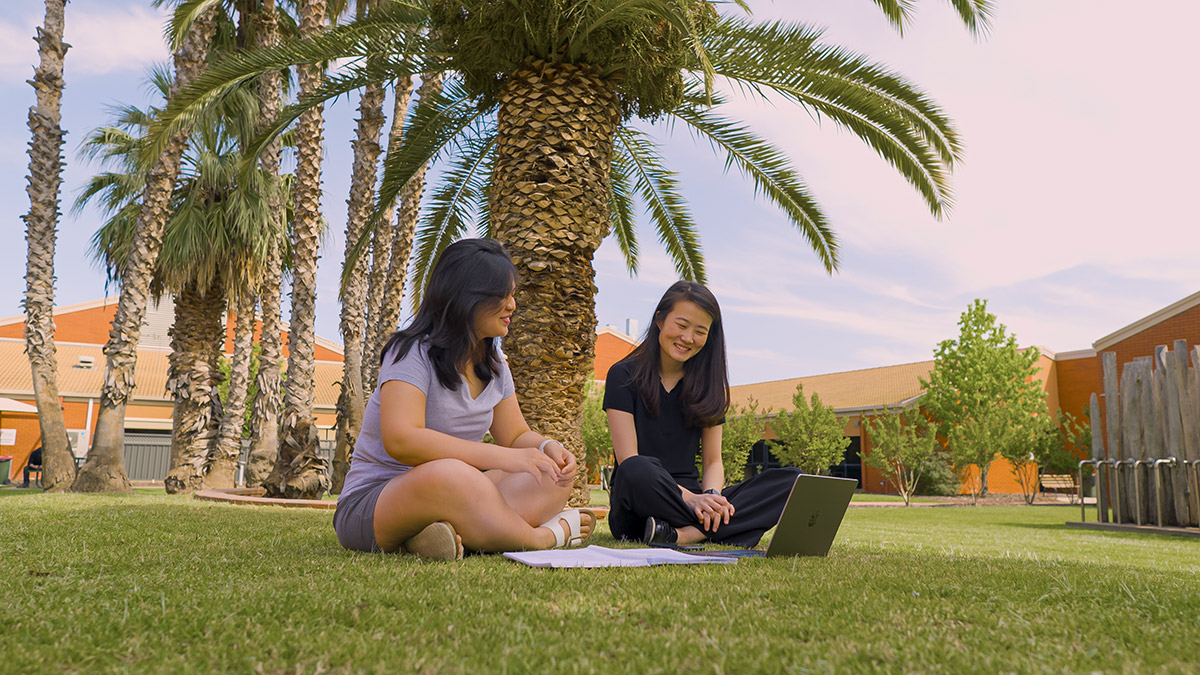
column 982, row 389
column 644, row 45
column 744, row 426
column 810, row 437
column 938, row 477
column 219, row 225
column 596, row 439
column 902, row 444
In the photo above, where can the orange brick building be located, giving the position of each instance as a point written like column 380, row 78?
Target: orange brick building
column 611, row 346
column 1069, row 379
column 81, row 330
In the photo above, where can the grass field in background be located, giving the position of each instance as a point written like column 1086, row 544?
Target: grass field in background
column 159, row 583
column 600, row 498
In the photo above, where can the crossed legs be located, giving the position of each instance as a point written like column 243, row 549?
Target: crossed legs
column 493, row 511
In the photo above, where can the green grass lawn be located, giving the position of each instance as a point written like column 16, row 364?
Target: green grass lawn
column 159, row 583
column 866, row 497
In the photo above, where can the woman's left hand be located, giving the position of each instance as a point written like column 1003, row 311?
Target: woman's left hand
column 565, row 461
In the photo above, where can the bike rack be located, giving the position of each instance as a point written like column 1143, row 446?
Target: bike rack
column 1158, row 464
column 1137, row 485
column 1095, row 463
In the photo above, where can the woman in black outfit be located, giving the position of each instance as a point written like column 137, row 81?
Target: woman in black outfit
column 666, row 403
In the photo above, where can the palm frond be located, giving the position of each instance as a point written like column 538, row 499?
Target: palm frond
column 331, row 89
column 899, row 122
column 975, row 14
column 668, row 210
column 772, row 174
column 437, row 125
column 185, row 14
column 898, row 12
column 397, row 40
column 445, row 219
column 620, row 206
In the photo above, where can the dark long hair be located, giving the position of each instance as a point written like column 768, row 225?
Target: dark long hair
column 705, row 393
column 471, row 275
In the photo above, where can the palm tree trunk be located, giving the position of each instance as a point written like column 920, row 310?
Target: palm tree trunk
column 105, row 470
column 41, row 228
column 264, row 416
column 196, row 340
column 300, row 472
column 222, row 463
column 549, row 203
column 381, row 246
column 354, row 293
column 402, row 240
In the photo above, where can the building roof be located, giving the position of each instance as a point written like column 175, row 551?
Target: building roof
column 150, row 376
column 615, row 332
column 62, row 309
column 1147, row 321
column 849, row 391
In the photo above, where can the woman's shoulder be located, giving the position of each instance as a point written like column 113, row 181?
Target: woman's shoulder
column 411, row 351
column 620, row 372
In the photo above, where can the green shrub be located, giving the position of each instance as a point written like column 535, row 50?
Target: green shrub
column 596, row 440
column 743, row 427
column 938, row 477
column 811, row 437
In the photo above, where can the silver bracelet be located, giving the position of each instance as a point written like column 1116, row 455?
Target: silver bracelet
column 542, row 447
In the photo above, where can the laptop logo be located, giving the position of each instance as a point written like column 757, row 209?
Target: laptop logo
column 812, row 520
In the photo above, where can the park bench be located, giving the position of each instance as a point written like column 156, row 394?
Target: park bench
column 1060, row 481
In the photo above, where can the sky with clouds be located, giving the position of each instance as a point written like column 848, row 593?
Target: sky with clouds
column 1071, row 213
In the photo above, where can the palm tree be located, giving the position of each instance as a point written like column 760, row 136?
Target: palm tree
column 104, row 470
column 264, row 440
column 352, row 324
column 542, row 104
column 41, row 230
column 382, row 241
column 383, row 292
column 300, row 471
column 401, row 241
column 215, row 248
column 257, row 25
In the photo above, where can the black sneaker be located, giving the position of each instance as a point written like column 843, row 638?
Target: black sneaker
column 658, row 532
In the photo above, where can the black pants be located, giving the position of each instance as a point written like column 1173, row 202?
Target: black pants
column 641, row 488
column 28, row 470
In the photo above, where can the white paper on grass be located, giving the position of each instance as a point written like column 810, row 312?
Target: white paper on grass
column 600, row 556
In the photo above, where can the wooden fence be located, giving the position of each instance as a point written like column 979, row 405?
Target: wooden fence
column 1147, row 456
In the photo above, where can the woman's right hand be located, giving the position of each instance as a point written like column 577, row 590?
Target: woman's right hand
column 528, row 460
column 711, row 510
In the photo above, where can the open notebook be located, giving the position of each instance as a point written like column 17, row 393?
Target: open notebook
column 599, row 556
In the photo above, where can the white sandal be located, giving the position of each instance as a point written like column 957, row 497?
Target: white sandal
column 572, row 517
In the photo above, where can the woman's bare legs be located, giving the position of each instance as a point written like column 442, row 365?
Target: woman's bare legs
column 456, row 492
column 533, row 502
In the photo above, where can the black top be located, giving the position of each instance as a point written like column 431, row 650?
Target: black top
column 35, row 457
column 664, row 436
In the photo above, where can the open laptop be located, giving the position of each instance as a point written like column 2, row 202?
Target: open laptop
column 810, row 519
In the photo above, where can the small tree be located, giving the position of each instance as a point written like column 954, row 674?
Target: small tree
column 597, row 442
column 1027, row 446
column 810, row 437
column 982, row 376
column 902, row 446
column 743, row 428
column 1077, row 433
column 973, row 446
